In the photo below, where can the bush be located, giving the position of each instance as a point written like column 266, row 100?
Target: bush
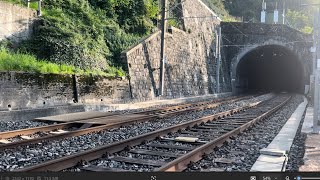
column 90, row 34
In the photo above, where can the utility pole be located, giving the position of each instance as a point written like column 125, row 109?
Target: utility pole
column 218, row 54
column 316, row 67
column 162, row 50
column 39, row 6
column 317, row 71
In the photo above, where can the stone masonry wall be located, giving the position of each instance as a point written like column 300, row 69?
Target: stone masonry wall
column 27, row 90
column 190, row 61
column 16, row 22
column 241, row 38
column 97, row 89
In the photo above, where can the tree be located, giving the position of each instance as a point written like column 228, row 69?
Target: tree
column 300, row 21
column 247, row 9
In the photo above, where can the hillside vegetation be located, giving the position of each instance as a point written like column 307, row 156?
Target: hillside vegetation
column 90, row 34
column 297, row 16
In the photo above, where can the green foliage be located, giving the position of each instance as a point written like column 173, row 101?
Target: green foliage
column 173, row 22
column 34, row 5
column 217, row 6
column 90, row 34
column 175, row 14
column 10, row 61
column 299, row 20
column 229, row 18
column 307, row 30
column 133, row 16
column 118, row 40
column 297, row 17
column 4, row 44
column 249, row 10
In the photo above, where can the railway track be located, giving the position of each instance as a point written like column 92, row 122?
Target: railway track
column 12, row 139
column 171, row 148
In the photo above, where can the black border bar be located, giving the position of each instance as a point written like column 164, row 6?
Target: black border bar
column 156, row 176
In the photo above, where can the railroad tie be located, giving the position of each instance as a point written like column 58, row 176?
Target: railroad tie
column 138, row 161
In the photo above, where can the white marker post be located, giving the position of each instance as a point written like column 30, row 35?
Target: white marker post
column 276, row 16
column 263, row 12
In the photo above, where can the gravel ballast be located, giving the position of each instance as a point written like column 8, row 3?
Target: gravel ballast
column 109, row 162
column 36, row 153
column 15, row 125
column 243, row 151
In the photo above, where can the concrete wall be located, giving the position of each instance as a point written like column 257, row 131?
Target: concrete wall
column 30, row 114
column 190, row 62
column 28, row 91
column 16, row 22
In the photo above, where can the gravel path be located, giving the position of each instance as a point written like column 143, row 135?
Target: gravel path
column 33, row 154
column 243, row 151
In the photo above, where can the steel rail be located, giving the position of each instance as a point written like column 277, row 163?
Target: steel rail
column 28, row 131
column 183, row 107
column 89, row 155
column 95, row 129
column 182, row 162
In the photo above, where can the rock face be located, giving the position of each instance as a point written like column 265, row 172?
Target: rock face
column 190, row 61
column 16, row 22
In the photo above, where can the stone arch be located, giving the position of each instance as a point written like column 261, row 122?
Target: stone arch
column 251, row 48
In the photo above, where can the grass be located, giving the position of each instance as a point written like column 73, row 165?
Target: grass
column 84, row 34
column 10, row 61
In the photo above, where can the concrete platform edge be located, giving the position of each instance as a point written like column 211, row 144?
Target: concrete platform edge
column 30, row 114
column 269, row 161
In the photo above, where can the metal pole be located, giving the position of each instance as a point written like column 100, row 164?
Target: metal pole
column 316, row 103
column 218, row 58
column 39, row 8
column 284, row 12
column 162, row 51
column 317, row 69
column 75, row 89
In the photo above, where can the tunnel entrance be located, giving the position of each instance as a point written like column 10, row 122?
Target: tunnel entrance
column 270, row 68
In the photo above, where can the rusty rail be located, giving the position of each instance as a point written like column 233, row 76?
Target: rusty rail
column 182, row 162
column 73, row 160
column 182, row 109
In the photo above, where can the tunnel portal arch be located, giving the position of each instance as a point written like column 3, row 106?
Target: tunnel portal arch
column 268, row 67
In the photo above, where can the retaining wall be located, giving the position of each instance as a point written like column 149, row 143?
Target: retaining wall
column 190, row 68
column 30, row 90
column 16, row 22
